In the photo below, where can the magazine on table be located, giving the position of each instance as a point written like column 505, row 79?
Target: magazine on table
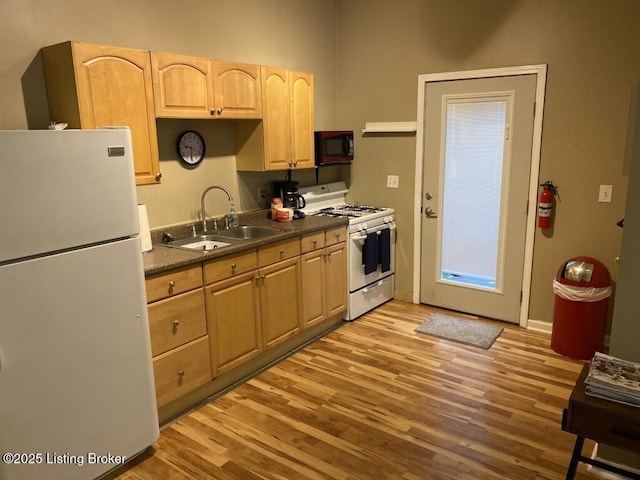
column 613, row 396
column 614, row 378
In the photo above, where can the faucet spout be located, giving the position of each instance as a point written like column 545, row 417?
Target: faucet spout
column 202, row 210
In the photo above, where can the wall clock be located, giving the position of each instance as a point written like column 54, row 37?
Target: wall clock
column 191, row 147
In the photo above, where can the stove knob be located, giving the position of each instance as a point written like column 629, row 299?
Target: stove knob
column 388, row 219
column 364, row 226
column 360, row 227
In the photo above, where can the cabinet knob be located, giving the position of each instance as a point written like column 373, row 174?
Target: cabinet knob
column 172, row 284
column 233, row 266
column 315, row 242
column 212, row 111
column 337, row 236
column 181, row 373
column 219, row 111
column 158, row 176
column 281, row 252
column 175, row 323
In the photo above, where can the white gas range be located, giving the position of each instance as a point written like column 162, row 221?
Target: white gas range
column 370, row 247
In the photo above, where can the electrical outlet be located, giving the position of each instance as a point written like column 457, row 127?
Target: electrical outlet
column 605, row 193
column 392, row 181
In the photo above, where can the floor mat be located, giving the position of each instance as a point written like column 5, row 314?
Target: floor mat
column 469, row 332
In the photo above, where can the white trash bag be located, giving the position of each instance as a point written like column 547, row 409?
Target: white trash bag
column 581, row 294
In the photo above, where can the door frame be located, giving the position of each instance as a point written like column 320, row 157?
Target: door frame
column 541, row 75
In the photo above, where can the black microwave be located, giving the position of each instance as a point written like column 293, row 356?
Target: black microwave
column 333, row 147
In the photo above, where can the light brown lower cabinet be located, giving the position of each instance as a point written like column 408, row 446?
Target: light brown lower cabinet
column 178, row 328
column 251, row 311
column 210, row 318
column 280, row 301
column 323, row 271
column 234, row 321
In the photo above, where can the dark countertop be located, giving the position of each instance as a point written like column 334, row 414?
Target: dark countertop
column 162, row 258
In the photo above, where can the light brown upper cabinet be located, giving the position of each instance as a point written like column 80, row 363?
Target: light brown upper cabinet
column 196, row 87
column 92, row 86
column 301, row 107
column 284, row 139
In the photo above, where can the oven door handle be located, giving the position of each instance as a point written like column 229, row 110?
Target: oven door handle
column 362, row 238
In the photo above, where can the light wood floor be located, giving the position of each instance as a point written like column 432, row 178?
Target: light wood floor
column 375, row 400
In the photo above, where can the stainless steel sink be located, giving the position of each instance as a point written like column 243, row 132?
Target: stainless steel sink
column 222, row 238
column 200, row 243
column 247, row 232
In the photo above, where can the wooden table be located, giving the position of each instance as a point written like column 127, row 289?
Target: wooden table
column 603, row 421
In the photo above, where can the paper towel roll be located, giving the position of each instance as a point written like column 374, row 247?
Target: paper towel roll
column 145, row 234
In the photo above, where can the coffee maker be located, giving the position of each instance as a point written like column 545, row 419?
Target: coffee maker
column 287, row 190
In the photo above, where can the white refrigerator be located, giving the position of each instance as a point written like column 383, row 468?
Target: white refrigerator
column 77, row 395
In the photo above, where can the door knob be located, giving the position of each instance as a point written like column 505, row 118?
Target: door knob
column 429, row 213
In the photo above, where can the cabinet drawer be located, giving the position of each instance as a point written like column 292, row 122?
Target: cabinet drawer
column 182, row 370
column 230, row 266
column 614, row 430
column 167, row 284
column 278, row 251
column 176, row 321
column 335, row 235
column 311, row 241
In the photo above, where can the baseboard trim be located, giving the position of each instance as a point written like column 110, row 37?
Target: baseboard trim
column 539, row 326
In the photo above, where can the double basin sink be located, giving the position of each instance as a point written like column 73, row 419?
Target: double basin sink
column 223, row 238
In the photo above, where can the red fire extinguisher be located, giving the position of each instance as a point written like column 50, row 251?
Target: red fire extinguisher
column 545, row 205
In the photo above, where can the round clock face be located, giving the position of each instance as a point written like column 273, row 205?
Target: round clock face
column 191, row 147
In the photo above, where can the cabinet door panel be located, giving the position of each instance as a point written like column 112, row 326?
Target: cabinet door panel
column 115, row 88
column 234, row 321
column 280, row 301
column 276, row 119
column 301, row 107
column 336, row 274
column 93, row 86
column 238, row 89
column 182, row 85
column 312, row 269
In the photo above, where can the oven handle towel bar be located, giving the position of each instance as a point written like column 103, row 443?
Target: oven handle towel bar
column 362, row 238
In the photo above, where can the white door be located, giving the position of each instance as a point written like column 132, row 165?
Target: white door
column 475, row 188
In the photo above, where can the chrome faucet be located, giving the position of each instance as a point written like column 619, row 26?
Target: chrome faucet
column 202, row 211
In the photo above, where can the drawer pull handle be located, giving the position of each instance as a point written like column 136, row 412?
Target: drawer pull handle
column 172, row 284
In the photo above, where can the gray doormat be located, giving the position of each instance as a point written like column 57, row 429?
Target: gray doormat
column 460, row 330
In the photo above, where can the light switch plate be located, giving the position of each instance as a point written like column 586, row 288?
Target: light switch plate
column 392, row 181
column 605, row 193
